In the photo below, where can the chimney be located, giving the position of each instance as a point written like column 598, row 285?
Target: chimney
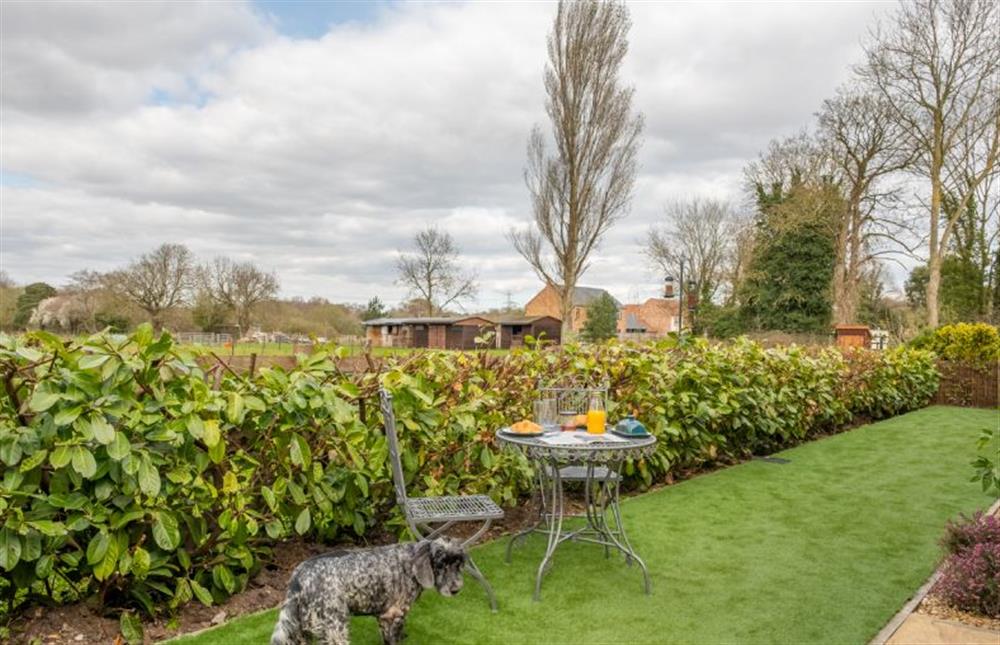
column 668, row 287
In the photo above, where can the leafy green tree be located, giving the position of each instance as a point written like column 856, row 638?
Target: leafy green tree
column 970, row 261
column 602, row 319
column 115, row 322
column 962, row 289
column 915, row 286
column 788, row 284
column 9, row 292
column 718, row 321
column 28, row 300
column 208, row 313
column 374, row 309
column 995, row 289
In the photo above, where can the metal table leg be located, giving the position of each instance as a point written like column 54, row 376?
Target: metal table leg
column 622, row 545
column 555, row 529
column 542, row 518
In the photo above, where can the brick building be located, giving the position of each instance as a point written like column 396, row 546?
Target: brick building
column 655, row 317
column 546, row 303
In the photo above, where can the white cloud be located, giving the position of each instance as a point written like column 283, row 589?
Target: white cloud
column 320, row 158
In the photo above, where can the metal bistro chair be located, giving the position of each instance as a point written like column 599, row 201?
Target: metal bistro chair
column 424, row 512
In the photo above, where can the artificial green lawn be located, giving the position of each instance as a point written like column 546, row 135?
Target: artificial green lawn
column 823, row 549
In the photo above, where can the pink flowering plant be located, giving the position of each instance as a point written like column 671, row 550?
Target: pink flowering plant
column 970, row 580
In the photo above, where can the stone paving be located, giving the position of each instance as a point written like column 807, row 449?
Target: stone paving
column 923, row 629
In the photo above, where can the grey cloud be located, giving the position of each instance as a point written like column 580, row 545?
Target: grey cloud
column 66, row 58
column 321, row 158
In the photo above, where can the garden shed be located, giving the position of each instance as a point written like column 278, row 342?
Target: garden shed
column 513, row 332
column 459, row 333
column 853, row 335
column 427, row 332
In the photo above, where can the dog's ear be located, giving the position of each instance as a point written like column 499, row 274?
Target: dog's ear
column 423, row 568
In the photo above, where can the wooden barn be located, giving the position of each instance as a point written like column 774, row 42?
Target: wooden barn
column 459, row 333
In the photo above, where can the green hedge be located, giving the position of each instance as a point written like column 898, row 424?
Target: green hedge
column 975, row 343
column 135, row 472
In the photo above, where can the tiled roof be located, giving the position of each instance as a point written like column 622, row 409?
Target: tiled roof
column 583, row 296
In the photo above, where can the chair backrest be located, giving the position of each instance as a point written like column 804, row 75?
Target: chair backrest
column 573, row 398
column 389, row 416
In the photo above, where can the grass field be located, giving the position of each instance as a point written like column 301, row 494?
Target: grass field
column 824, row 549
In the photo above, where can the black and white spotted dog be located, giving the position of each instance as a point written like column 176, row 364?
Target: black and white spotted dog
column 325, row 591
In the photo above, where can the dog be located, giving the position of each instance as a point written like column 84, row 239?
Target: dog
column 326, row 590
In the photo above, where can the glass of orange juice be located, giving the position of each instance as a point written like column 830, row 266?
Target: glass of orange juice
column 597, row 416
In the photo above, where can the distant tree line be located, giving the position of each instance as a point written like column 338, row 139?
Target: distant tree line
column 164, row 285
column 169, row 288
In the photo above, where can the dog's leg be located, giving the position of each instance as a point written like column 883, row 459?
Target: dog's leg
column 392, row 630
column 391, row 625
column 288, row 631
column 336, row 632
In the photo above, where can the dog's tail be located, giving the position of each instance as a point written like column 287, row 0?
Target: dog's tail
column 287, row 631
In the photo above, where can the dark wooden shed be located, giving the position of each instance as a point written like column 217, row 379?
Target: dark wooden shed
column 459, row 333
column 431, row 333
column 513, row 332
column 463, row 332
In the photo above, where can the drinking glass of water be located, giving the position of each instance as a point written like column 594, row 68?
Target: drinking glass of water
column 547, row 414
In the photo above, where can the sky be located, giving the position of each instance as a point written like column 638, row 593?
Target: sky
column 316, row 138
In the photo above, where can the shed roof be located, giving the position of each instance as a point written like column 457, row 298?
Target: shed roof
column 526, row 320
column 411, row 321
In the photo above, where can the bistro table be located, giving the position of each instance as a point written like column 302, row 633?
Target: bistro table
column 601, row 457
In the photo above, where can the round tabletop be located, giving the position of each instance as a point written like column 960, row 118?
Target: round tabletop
column 595, row 450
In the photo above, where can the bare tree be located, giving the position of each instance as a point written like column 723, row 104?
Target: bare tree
column 585, row 185
column 938, row 67
column 700, row 231
column 90, row 291
column 240, row 286
column 741, row 251
column 157, row 281
column 796, row 160
column 432, row 272
column 5, row 280
column 866, row 144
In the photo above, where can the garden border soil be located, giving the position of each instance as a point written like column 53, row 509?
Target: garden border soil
column 913, row 604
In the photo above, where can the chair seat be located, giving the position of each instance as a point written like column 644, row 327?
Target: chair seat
column 458, row 508
column 579, row 473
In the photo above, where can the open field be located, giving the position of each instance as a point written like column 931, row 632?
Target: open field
column 824, row 549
